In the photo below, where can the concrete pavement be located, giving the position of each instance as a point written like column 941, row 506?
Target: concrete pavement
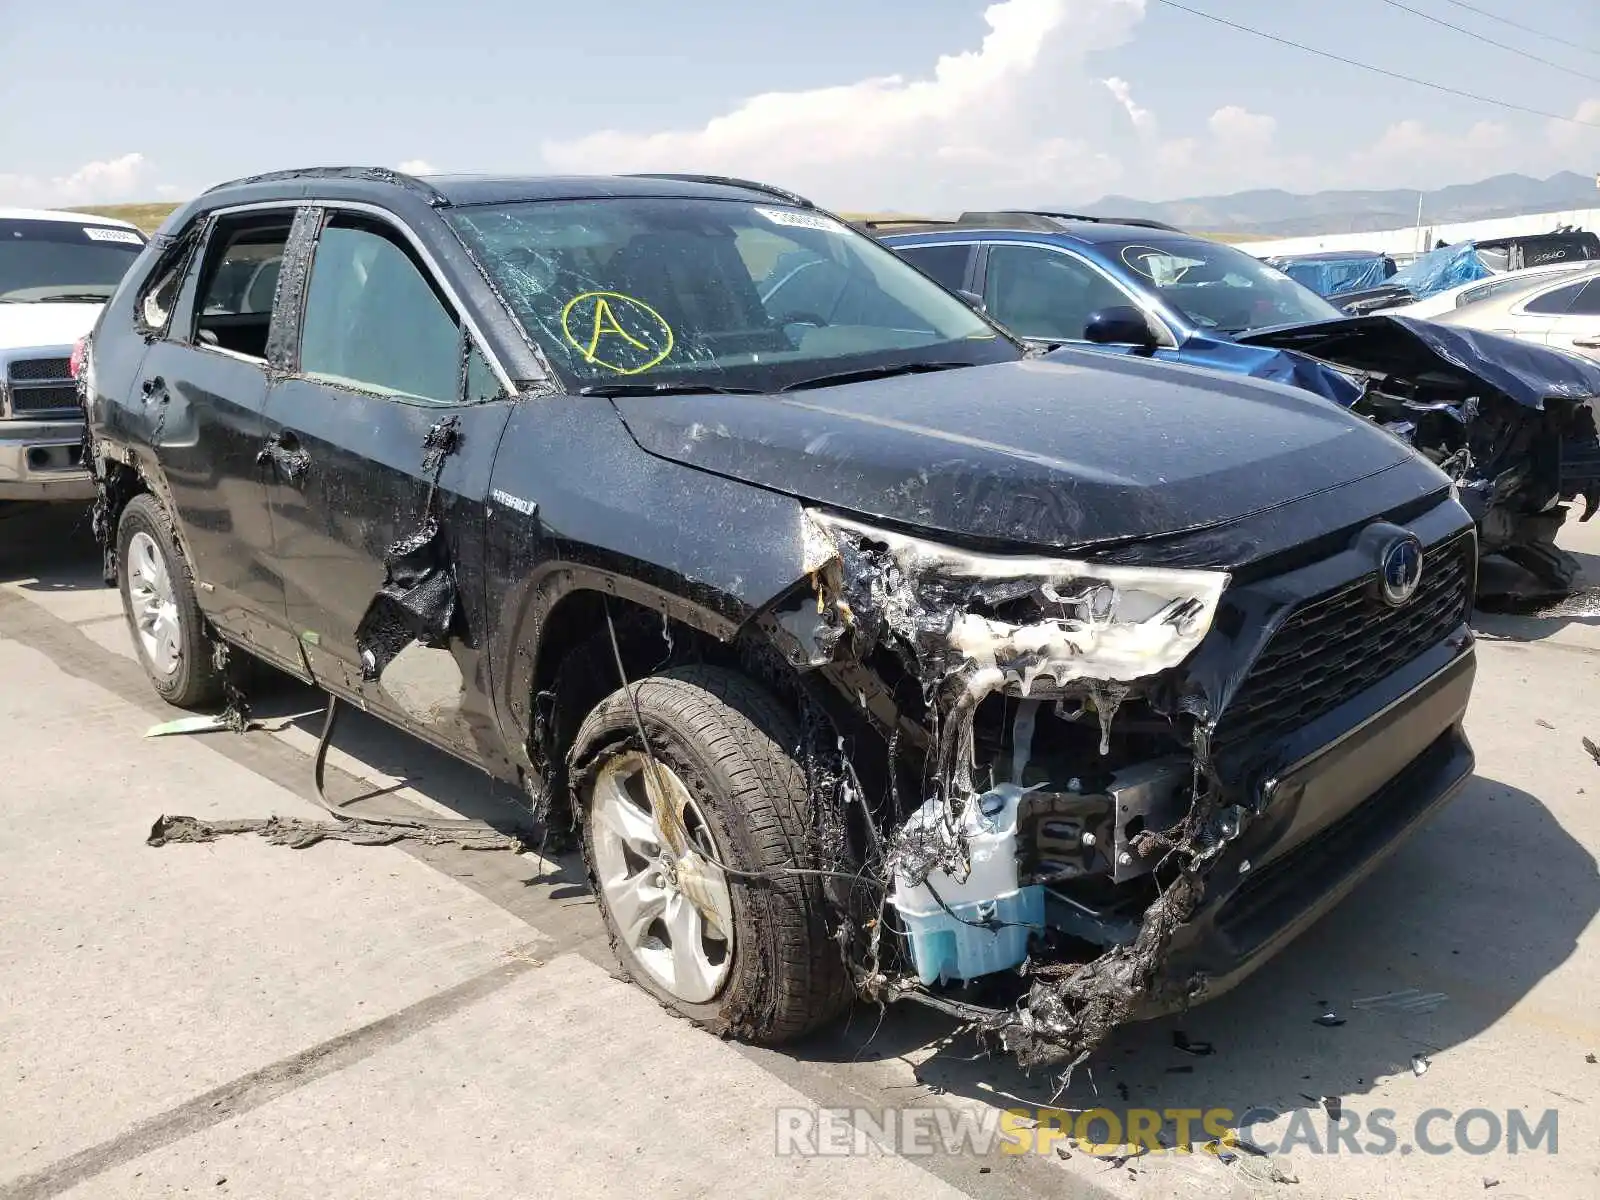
column 416, row 1020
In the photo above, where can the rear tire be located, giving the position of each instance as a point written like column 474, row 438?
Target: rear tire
column 170, row 635
column 727, row 743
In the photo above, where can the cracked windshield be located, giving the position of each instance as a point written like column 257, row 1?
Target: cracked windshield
column 688, row 294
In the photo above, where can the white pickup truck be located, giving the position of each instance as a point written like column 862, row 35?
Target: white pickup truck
column 56, row 271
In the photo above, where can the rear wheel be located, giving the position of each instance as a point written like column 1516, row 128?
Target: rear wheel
column 745, row 952
column 170, row 635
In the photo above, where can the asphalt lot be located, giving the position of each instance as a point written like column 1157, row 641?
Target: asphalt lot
column 239, row 1018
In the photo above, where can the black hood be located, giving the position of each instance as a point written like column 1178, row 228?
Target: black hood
column 1070, row 452
column 1408, row 348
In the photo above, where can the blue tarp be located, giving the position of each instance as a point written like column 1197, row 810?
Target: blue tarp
column 1447, row 267
column 1332, row 273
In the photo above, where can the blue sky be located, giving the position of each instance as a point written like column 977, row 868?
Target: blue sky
column 118, row 102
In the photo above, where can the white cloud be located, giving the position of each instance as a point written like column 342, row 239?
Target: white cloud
column 418, row 166
column 107, row 182
column 985, row 124
column 1143, row 119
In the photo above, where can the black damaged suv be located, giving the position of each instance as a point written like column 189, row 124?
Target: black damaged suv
column 868, row 652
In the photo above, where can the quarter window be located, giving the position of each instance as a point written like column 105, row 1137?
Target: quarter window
column 373, row 320
column 947, row 264
column 1588, row 302
column 1554, row 302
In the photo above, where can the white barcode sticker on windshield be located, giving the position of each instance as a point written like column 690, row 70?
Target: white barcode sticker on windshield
column 100, row 234
column 801, row 220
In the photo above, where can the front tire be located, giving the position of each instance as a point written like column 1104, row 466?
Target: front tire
column 170, row 636
column 745, row 954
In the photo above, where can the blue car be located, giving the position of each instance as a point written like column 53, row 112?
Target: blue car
column 1513, row 424
column 1125, row 289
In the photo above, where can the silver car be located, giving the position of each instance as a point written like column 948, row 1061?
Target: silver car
column 1563, row 313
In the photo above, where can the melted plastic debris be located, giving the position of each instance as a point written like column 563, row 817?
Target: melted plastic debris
column 967, row 626
column 299, row 834
column 418, row 601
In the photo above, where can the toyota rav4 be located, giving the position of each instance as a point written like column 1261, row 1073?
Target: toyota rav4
column 866, row 652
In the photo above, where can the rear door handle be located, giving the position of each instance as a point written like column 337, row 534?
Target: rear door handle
column 1589, row 343
column 284, row 452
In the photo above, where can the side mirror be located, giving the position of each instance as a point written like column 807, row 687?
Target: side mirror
column 1120, row 325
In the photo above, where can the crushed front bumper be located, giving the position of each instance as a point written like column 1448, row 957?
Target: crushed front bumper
column 1326, row 825
column 43, row 460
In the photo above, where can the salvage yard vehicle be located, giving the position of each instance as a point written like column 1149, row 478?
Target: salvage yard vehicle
column 1450, row 266
column 1333, row 272
column 868, row 653
column 56, row 270
column 1463, row 294
column 1562, row 311
column 1513, row 424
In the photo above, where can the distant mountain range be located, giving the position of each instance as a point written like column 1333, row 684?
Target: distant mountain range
column 1287, row 215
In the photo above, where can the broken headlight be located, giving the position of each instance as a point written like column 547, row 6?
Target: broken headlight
column 1014, row 619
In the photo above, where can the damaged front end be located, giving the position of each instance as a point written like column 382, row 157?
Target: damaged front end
column 1068, row 809
column 1511, row 423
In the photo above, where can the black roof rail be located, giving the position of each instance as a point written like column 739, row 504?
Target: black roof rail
column 1016, row 214
column 729, row 181
column 360, row 174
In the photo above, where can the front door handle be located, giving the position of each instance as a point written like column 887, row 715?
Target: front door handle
column 1588, row 343
column 284, row 452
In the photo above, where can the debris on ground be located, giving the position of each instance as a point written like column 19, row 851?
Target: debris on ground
column 1410, row 1000
column 1489, row 1183
column 1200, row 1049
column 1594, row 751
column 1420, row 1064
column 1330, row 1019
column 298, row 834
column 1543, row 724
column 231, row 719
column 1589, row 1058
column 181, row 725
column 1332, row 1105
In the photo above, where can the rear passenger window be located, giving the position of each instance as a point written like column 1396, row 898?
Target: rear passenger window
column 240, row 281
column 1555, row 302
column 373, row 320
column 1587, row 303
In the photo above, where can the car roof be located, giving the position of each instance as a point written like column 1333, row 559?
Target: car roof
column 1330, row 256
column 1090, row 232
column 449, row 191
column 64, row 217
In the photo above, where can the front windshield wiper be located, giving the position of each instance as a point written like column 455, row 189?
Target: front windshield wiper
column 864, row 373
column 666, row 389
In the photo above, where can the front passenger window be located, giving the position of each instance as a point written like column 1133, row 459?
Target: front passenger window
column 1040, row 293
column 373, row 321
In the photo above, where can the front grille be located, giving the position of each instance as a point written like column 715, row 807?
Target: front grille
column 44, row 399
column 34, row 370
column 1334, row 648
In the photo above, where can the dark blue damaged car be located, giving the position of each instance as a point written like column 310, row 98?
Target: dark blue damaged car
column 1512, row 423
column 863, row 650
